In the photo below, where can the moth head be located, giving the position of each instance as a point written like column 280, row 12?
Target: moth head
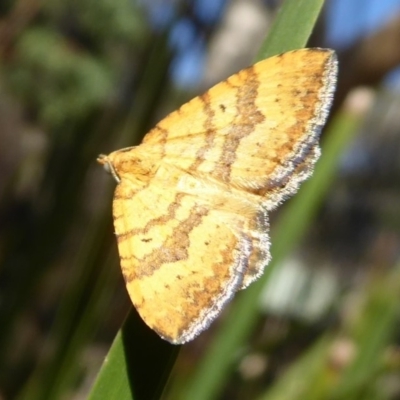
column 108, row 166
column 129, row 163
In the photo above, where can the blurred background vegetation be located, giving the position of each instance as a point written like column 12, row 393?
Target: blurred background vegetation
column 79, row 78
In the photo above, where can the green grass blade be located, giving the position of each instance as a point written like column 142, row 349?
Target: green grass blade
column 137, row 366
column 291, row 32
column 292, row 27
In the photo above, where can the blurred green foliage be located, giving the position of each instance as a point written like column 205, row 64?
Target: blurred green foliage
column 62, row 83
column 79, row 78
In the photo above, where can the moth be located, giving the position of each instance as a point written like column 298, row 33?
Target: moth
column 192, row 201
